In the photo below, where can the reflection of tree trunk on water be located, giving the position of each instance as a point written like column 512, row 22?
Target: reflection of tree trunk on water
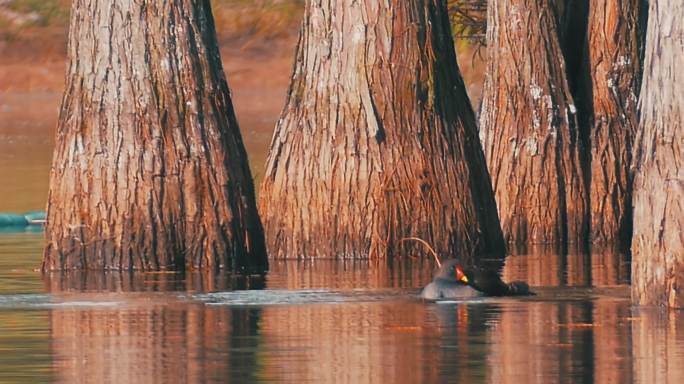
column 349, row 274
column 198, row 281
column 538, row 265
column 657, row 339
column 544, row 266
column 658, row 243
column 577, row 269
column 609, row 268
column 155, row 343
column 457, row 327
column 511, row 355
column 543, row 340
column 354, row 343
column 244, row 358
column 149, row 170
column 377, row 141
column 613, row 342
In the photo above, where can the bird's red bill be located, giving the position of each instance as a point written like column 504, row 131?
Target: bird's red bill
column 460, row 275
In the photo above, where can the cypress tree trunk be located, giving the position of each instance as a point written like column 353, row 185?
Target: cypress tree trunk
column 377, row 140
column 529, row 128
column 658, row 242
column 149, row 170
column 609, row 113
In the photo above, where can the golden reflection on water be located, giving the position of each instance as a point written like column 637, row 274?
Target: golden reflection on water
column 348, row 274
column 399, row 342
column 658, row 346
column 152, row 335
column 544, row 266
column 153, row 342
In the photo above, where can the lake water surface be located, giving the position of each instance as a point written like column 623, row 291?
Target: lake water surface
column 327, row 321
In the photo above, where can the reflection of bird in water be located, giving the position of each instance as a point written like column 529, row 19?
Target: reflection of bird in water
column 453, row 281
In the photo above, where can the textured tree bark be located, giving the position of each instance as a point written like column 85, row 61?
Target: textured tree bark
column 378, row 140
column 608, row 111
column 149, row 171
column 658, row 242
column 529, row 129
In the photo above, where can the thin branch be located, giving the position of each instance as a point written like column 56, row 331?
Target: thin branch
column 425, row 243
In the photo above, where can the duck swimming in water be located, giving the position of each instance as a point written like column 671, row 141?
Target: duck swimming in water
column 454, row 281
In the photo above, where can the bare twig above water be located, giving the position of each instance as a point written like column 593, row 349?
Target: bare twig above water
column 425, row 243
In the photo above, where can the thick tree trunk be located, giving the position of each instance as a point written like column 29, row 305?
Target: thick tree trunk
column 378, row 140
column 528, row 126
column 658, row 243
column 608, row 111
column 149, row 169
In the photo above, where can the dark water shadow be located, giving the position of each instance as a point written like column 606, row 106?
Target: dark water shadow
column 350, row 274
column 543, row 266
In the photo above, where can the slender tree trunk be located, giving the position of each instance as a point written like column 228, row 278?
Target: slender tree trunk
column 149, row 169
column 658, row 243
column 529, row 129
column 608, row 110
column 378, row 140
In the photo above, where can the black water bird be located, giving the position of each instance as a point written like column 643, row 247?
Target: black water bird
column 454, row 281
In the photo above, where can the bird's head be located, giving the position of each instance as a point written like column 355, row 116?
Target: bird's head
column 453, row 270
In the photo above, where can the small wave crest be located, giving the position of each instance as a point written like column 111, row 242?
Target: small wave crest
column 298, row 297
column 28, row 301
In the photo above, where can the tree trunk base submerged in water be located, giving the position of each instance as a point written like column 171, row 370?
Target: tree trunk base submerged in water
column 658, row 242
column 378, row 140
column 529, row 128
column 149, row 171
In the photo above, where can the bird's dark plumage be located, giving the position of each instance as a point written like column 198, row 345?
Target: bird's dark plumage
column 453, row 280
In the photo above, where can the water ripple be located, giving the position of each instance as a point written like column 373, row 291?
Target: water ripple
column 299, row 297
column 29, row 301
